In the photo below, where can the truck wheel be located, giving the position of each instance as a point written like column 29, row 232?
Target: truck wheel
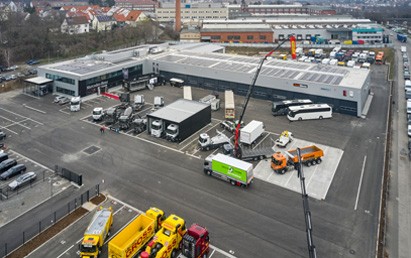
column 321, row 117
column 308, row 164
column 174, row 254
column 204, row 255
column 283, row 171
column 300, row 118
column 207, row 148
column 232, row 182
column 209, row 172
column 313, row 162
column 319, row 161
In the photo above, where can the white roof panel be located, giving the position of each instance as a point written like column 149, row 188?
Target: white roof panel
column 38, row 80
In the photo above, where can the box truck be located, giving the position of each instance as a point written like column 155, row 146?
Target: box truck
column 251, row 132
column 229, row 169
column 229, row 112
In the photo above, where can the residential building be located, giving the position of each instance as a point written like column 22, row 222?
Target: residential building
column 128, row 17
column 103, row 23
column 75, row 25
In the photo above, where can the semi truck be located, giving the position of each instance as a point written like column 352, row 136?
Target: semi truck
column 158, row 102
column 111, row 115
column 98, row 114
column 229, row 110
column 211, row 100
column 251, row 132
column 126, row 118
column 249, row 154
column 229, row 169
column 195, row 242
column 96, row 233
column 310, row 155
column 206, row 142
column 138, row 102
column 132, row 238
column 187, row 93
column 139, row 125
column 172, row 133
column 166, row 242
column 75, row 103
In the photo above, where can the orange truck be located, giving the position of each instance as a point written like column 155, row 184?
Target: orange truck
column 310, row 155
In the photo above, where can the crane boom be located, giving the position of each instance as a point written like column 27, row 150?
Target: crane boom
column 237, row 150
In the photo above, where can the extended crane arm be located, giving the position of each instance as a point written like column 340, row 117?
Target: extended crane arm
column 237, row 151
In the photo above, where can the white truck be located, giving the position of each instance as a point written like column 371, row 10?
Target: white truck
column 211, row 100
column 229, row 112
column 403, row 49
column 251, row 132
column 210, row 143
column 138, row 102
column 98, row 114
column 172, row 132
column 285, row 138
column 319, row 53
column 157, row 128
column 158, row 102
column 75, row 104
column 187, row 93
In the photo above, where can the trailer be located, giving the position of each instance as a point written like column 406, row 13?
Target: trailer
column 206, row 142
column 143, row 82
column 229, row 112
column 251, row 132
column 126, row 118
column 187, row 93
column 255, row 154
column 186, row 116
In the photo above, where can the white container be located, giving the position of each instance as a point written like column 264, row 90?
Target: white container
column 250, row 133
column 325, row 61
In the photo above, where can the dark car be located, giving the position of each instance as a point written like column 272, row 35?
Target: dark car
column 2, row 135
column 13, row 171
column 8, row 163
column 23, row 179
column 3, row 156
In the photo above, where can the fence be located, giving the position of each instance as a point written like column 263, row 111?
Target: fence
column 6, row 193
column 16, row 238
column 69, row 175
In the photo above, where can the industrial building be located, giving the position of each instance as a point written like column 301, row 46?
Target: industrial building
column 198, row 65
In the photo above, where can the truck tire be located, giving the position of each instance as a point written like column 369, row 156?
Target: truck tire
column 300, row 119
column 204, row 256
column 313, row 162
column 174, row 253
column 283, row 171
column 321, row 117
column 209, row 173
column 319, row 160
column 308, row 164
column 207, row 148
column 232, row 182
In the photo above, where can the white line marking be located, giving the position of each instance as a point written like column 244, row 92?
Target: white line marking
column 61, row 110
column 261, row 140
column 65, row 251
column 35, row 109
column 360, row 183
column 329, row 184
column 8, row 130
column 35, row 162
column 144, row 110
column 315, row 170
column 87, row 104
column 223, row 252
column 16, row 122
column 211, row 253
column 292, row 174
column 195, row 139
column 21, row 116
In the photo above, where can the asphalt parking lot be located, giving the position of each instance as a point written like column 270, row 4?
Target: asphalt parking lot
column 263, row 219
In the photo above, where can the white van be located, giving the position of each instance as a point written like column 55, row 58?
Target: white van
column 350, row 63
column 408, row 107
column 325, row 61
column 333, row 62
column 407, row 85
column 75, row 104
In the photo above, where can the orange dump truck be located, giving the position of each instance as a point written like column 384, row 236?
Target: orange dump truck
column 310, row 155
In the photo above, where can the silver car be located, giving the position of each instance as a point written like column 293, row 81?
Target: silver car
column 22, row 180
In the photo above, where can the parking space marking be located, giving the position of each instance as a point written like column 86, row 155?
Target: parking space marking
column 35, row 109
column 144, row 110
column 84, row 103
column 8, row 130
column 32, row 161
column 15, row 122
column 360, row 183
column 22, row 116
column 195, row 139
column 61, row 110
column 65, row 251
column 262, row 140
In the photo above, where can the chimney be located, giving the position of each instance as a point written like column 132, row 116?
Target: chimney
column 178, row 16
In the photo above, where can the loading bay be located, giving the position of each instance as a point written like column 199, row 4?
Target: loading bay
column 256, row 222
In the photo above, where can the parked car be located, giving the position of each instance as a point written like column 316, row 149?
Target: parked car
column 64, row 101
column 407, row 75
column 13, row 171
column 58, row 98
column 8, row 163
column 8, row 77
column 32, row 71
column 13, row 76
column 32, row 62
column 28, row 177
column 2, row 135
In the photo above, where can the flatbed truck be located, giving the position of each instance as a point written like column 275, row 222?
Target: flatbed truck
column 132, row 238
column 310, row 155
column 249, row 154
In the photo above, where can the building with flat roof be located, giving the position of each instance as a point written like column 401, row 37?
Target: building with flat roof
column 199, row 65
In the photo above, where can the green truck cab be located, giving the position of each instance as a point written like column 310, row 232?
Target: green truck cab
column 229, row 169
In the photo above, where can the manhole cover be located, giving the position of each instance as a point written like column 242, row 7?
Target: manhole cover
column 92, row 149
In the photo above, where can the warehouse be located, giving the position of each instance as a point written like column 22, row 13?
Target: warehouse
column 199, row 65
column 344, row 88
column 185, row 116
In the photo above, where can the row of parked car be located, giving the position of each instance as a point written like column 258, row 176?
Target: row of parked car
column 9, row 168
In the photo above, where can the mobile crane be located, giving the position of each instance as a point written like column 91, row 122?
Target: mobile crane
column 237, row 149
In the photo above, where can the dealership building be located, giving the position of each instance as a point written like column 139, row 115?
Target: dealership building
column 200, row 65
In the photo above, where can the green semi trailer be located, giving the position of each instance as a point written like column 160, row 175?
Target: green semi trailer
column 230, row 169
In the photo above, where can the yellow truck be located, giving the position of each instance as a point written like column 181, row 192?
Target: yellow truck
column 129, row 241
column 166, row 242
column 96, row 233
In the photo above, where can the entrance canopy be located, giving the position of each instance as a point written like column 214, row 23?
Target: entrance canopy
column 38, row 86
column 38, row 80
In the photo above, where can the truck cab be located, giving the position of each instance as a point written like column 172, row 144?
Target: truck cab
column 172, row 132
column 98, row 114
column 157, row 128
column 75, row 104
column 196, row 242
column 126, row 118
column 279, row 163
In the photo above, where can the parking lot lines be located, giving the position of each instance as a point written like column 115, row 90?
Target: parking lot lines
column 360, row 183
column 22, row 116
column 15, row 123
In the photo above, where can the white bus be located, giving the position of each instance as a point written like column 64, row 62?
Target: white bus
column 304, row 112
column 175, row 82
column 280, row 108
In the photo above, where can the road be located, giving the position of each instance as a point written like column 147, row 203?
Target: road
column 260, row 221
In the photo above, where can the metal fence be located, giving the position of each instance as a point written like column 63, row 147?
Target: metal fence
column 24, row 235
column 69, row 175
column 6, row 193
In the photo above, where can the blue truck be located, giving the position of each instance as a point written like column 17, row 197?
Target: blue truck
column 402, row 37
